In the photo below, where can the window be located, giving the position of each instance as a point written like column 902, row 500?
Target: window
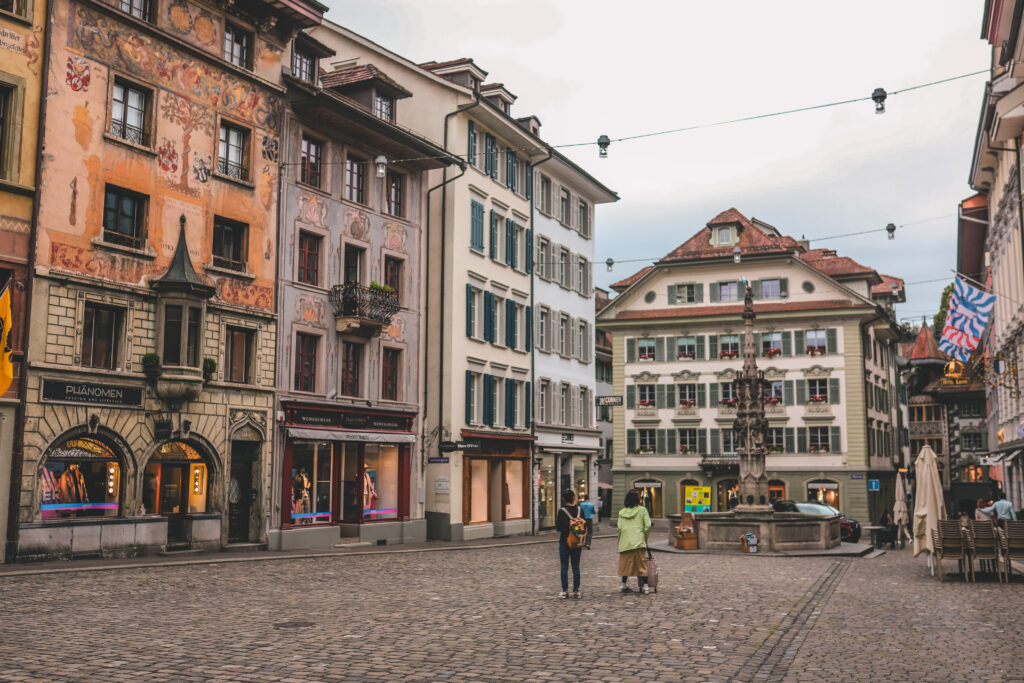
column 646, row 440
column 309, row 164
column 728, row 291
column 237, row 46
column 816, row 341
column 380, row 482
column 351, row 354
column 584, row 403
column 583, row 218
column 771, row 344
column 472, row 401
column 687, row 395
column 136, row 8
column 687, row 440
column 80, row 478
column 973, row 409
column 239, row 355
column 129, row 113
column 309, row 258
column 393, row 273
column 972, row 441
column 645, row 349
column 389, row 374
column 686, row 294
column 686, row 347
column 729, row 346
column 6, row 97
column 312, row 482
column 305, row 361
column 581, row 275
column 604, row 371
column 776, row 440
column 182, row 327
column 124, row 215
column 972, row 473
column 303, row 65
column 384, row 107
column 545, row 194
column 476, row 230
column 771, row 289
column 645, row 394
column 542, row 329
column 728, row 441
column 565, row 206
column 773, row 392
column 729, row 393
column 101, row 337
column 353, row 264
column 581, row 340
column 511, row 170
column 355, row 171
column 563, row 268
column 817, row 439
column 394, row 196
column 471, row 146
column 233, row 159
column 817, row 390
column 230, row 244
column 541, row 264
column 563, row 335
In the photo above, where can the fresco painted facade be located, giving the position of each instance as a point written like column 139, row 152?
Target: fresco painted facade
column 151, row 395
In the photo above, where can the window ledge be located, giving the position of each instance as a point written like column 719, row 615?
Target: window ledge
column 16, row 188
column 148, row 253
column 238, row 275
column 236, row 181
column 12, row 16
column 127, row 143
column 313, row 188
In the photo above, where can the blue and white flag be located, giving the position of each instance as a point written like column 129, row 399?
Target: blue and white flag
column 969, row 311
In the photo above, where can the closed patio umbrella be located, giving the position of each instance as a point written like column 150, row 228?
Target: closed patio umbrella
column 900, row 517
column 928, row 505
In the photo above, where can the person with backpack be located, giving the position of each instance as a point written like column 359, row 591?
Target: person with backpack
column 588, row 511
column 634, row 526
column 572, row 532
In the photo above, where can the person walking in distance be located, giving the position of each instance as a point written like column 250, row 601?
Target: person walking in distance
column 1001, row 510
column 589, row 511
column 569, row 551
column 634, row 526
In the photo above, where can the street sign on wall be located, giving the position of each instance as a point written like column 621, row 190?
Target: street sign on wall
column 614, row 401
column 873, row 485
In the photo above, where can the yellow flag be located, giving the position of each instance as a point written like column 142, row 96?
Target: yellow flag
column 6, row 367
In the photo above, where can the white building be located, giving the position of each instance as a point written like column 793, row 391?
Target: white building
column 568, row 443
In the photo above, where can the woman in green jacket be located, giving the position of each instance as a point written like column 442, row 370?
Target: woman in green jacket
column 634, row 526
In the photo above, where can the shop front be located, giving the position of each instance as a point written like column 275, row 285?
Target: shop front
column 558, row 470
column 346, row 475
column 495, row 485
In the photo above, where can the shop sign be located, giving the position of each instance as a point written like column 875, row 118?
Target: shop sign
column 613, row 401
column 120, row 395
column 447, row 446
column 697, row 499
column 316, row 418
column 873, row 485
column 442, row 485
column 567, row 438
column 857, row 476
column 392, row 423
column 437, row 460
column 646, row 484
column 468, row 446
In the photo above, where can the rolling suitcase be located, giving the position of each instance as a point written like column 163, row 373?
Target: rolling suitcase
column 652, row 572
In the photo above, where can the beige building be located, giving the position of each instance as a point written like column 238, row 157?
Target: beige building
column 825, row 335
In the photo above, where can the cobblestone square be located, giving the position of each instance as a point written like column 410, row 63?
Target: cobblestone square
column 492, row 614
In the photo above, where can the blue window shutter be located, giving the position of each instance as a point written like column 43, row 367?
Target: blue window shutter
column 529, row 181
column 660, row 444
column 702, row 398
column 510, row 323
column 471, row 145
column 672, row 448
column 715, row 445
column 476, row 233
column 699, row 293
column 790, row 440
column 510, row 231
column 801, row 392
column 831, row 344
column 699, row 355
column 469, row 391
column 673, row 295
column 801, row 439
column 529, row 328
column 787, row 392
column 799, row 348
column 528, row 407
column 659, row 396
column 529, row 252
column 670, row 396
column 712, row 346
column 659, row 349
column 469, row 310
column 713, row 395
column 631, row 441
column 494, row 235
column 631, row 350
column 514, row 261
column 702, row 441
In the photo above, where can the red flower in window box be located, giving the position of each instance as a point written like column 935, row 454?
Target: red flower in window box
column 815, row 350
column 729, row 402
column 684, row 354
column 772, row 400
column 646, row 403
column 819, row 449
column 817, row 398
column 645, row 449
column 772, row 353
column 646, row 356
column 727, row 354
column 684, row 449
column 687, row 403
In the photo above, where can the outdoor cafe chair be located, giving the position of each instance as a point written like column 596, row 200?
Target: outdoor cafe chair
column 1011, row 538
column 951, row 544
column 984, row 546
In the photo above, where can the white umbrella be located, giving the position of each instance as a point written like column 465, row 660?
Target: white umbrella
column 900, row 517
column 928, row 504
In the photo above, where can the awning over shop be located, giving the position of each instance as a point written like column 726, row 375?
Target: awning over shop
column 336, row 435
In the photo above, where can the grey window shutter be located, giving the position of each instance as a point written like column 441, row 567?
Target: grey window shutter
column 631, row 396
column 660, row 448
column 670, row 396
column 801, row 392
column 790, row 440
column 714, row 445
column 835, row 444
column 801, row 439
column 787, row 392
column 672, row 448
column 712, row 346
column 799, row 348
column 715, row 293
column 702, row 441
column 787, row 343
column 833, row 390
column 784, row 288
column 713, row 394
column 831, row 345
column 699, row 355
column 756, row 287
column 631, row 350
column 702, row 399
column 659, row 396
column 659, row 349
column 698, row 293
column 757, row 344
column 631, row 441
column 673, row 295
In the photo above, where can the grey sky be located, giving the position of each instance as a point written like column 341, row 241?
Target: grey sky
column 595, row 67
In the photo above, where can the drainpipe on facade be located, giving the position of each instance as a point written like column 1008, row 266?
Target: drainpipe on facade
column 18, row 445
column 533, row 356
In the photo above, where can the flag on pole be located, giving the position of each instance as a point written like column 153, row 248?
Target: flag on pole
column 969, row 311
column 6, row 367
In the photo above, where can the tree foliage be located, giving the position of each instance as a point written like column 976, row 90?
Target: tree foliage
column 939, row 321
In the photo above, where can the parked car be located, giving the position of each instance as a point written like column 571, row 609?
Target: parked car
column 849, row 529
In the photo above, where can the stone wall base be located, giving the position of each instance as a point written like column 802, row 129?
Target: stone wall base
column 71, row 539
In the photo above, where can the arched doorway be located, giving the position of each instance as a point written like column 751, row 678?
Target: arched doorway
column 728, row 494
column 824, row 491
column 175, row 484
column 651, row 496
column 80, row 477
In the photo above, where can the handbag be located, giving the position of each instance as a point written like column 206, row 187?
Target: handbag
column 652, row 571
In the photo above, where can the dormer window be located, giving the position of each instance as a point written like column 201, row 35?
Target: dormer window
column 303, row 65
column 725, row 235
column 384, row 107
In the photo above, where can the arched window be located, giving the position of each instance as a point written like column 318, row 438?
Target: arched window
column 81, row 478
column 651, row 496
column 175, row 481
column 776, row 490
column 823, row 491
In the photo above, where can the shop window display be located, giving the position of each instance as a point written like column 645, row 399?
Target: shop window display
column 824, row 491
column 547, row 493
column 380, row 482
column 312, row 495
column 81, row 478
column 477, row 503
column 174, row 481
column 579, row 478
column 515, row 486
column 650, row 496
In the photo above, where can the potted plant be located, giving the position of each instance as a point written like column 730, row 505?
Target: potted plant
column 209, row 369
column 727, row 354
column 684, row 449
column 151, row 365
column 646, row 356
column 815, row 350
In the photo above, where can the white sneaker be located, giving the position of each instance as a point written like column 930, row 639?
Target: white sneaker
column 647, row 589
column 625, row 589
column 562, row 595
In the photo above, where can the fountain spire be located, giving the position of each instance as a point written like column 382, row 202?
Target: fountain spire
column 751, row 426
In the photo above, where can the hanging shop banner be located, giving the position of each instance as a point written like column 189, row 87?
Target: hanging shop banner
column 969, row 311
column 697, row 499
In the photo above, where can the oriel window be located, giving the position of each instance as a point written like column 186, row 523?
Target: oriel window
column 312, row 151
column 182, row 327
column 237, row 46
column 309, row 259
column 101, row 336
column 230, row 244
column 123, row 217
column 233, row 157
column 128, row 113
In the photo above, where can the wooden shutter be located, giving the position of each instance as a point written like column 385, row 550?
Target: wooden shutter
column 790, row 439
column 801, row 392
column 714, row 445
column 631, row 441
column 713, row 394
column 528, row 408
column 698, row 293
column 469, row 389
column 493, row 251
column 660, row 448
column 671, row 447
column 529, row 181
column 488, row 400
column 799, row 347
column 670, row 396
column 715, row 292
column 631, row 396
column 510, row 323
column 833, row 390
column 673, row 295
column 831, row 344
column 510, row 393
column 702, row 441
column 659, row 349
column 659, row 396
column 699, row 352
column 787, row 343
column 801, row 439
column 488, row 317
column 631, row 350
column 529, row 252
column 787, row 392
column 528, row 334
column 835, row 444
column 756, row 287
column 471, row 144
column 702, row 398
column 469, row 310
column 712, row 346
column 783, row 287
column 510, row 241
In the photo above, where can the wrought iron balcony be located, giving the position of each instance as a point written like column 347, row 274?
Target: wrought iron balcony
column 720, row 460
column 133, row 134
column 363, row 310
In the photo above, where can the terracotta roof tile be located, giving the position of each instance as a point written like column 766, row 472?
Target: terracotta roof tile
column 828, row 262
column 623, row 284
column 751, row 240
column 886, row 286
column 360, row 74
column 732, row 309
column 926, row 348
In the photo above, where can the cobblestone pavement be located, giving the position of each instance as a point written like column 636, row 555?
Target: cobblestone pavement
column 492, row 614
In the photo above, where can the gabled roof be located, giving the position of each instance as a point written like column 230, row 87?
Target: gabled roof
column 622, row 285
column 885, row 287
column 926, row 350
column 735, row 309
column 828, row 262
column 752, row 240
column 361, row 74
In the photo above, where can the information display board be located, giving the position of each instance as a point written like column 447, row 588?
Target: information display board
column 697, row 499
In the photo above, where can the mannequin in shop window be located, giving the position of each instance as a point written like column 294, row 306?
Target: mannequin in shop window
column 300, row 499
column 369, row 493
column 72, row 485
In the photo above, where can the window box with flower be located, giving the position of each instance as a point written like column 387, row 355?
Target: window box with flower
column 684, row 355
column 728, row 402
column 685, row 449
column 723, row 354
column 772, row 353
column 817, row 398
column 645, row 403
column 776, row 449
column 818, row 449
column 772, row 400
column 646, row 356
column 816, row 350
column 645, row 449
column 687, row 403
